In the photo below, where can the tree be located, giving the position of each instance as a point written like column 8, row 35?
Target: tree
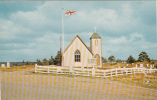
column 34, row 63
column 130, row 59
column 45, row 62
column 16, row 64
column 23, row 63
column 38, row 62
column 57, row 60
column 104, row 60
column 143, row 57
column 118, row 60
column 111, row 58
column 27, row 63
column 51, row 61
column 13, row 64
column 155, row 66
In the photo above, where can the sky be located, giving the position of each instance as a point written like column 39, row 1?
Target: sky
column 31, row 30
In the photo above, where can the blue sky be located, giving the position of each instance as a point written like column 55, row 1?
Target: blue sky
column 31, row 30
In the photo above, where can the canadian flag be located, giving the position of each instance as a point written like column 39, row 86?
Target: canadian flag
column 68, row 12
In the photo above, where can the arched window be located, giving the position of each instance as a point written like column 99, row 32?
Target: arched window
column 96, row 42
column 97, row 56
column 77, row 56
column 98, row 59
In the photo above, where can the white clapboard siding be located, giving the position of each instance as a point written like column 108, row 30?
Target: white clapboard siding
column 69, row 54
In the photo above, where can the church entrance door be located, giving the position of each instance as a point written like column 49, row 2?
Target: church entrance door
column 98, row 60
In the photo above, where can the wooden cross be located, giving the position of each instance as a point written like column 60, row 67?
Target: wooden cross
column 95, row 29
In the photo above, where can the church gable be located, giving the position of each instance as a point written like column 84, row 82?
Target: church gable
column 77, row 37
column 77, row 53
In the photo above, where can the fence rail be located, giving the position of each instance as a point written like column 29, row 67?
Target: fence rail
column 92, row 72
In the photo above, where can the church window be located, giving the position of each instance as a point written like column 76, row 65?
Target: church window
column 77, row 56
column 96, row 42
column 97, row 56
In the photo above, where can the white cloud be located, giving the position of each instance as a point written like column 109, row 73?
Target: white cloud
column 29, row 19
column 110, row 20
column 124, row 46
column 35, row 34
column 6, row 29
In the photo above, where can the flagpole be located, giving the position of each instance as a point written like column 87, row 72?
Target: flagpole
column 63, row 38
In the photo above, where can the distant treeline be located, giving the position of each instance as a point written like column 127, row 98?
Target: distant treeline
column 52, row 61
column 143, row 56
column 18, row 63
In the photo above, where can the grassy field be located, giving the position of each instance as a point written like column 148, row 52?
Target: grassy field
column 16, row 68
column 136, row 85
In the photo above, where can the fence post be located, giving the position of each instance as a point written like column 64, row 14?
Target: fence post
column 121, row 71
column 136, row 65
column 82, row 68
column 144, row 71
column 71, row 69
column 132, row 70
column 48, row 69
column 126, row 71
column 116, row 72
column 59, row 69
column 104, row 74
column 93, row 71
column 151, row 66
column 35, row 68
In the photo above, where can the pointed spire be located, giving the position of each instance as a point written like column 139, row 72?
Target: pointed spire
column 95, row 36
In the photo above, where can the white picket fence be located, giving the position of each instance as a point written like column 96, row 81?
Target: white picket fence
column 92, row 72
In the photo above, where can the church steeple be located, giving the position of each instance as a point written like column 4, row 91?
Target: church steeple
column 95, row 36
column 95, row 47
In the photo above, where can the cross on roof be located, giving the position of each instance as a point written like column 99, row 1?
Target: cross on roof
column 95, row 29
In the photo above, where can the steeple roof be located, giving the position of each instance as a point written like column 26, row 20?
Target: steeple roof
column 95, row 36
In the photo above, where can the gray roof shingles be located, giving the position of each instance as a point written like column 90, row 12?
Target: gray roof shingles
column 95, row 36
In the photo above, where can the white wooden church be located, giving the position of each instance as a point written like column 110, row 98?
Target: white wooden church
column 77, row 54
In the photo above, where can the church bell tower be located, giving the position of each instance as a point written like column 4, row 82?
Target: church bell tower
column 95, row 47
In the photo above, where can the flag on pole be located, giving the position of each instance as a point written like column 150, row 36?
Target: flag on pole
column 68, row 12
